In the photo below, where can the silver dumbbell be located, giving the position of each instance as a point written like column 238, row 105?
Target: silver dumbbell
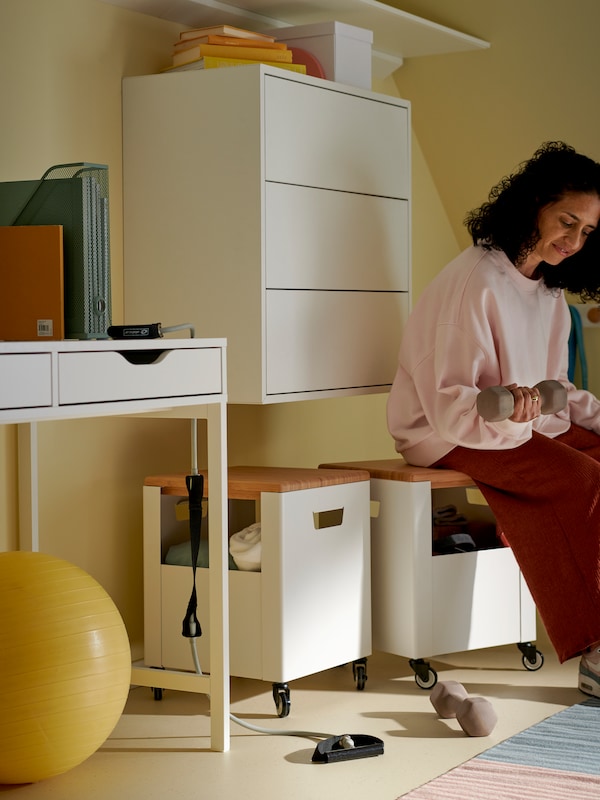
column 497, row 403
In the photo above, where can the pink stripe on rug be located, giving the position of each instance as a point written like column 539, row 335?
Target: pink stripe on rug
column 479, row 779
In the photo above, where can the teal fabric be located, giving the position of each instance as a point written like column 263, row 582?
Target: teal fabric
column 180, row 555
column 577, row 348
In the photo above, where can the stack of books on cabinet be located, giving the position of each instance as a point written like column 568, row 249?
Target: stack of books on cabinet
column 227, row 46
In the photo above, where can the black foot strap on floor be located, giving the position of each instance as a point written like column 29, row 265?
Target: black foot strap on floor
column 347, row 748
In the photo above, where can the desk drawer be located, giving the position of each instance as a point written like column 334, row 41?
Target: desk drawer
column 111, row 376
column 25, row 380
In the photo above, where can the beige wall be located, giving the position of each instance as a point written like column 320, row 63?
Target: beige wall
column 61, row 103
column 474, row 116
column 61, row 64
column 477, row 115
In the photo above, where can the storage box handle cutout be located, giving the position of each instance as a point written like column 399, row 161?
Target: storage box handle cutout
column 328, row 519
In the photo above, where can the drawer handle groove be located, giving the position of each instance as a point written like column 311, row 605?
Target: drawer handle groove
column 143, row 356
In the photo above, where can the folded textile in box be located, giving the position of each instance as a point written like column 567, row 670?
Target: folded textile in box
column 245, row 551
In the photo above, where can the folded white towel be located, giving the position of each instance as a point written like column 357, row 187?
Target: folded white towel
column 246, row 548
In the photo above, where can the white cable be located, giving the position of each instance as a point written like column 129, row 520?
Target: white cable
column 346, row 740
column 195, row 657
column 184, row 326
column 304, row 734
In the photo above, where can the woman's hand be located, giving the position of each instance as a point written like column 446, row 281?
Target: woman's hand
column 527, row 403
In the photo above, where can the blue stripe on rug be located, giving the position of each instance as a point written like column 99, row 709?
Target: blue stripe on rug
column 569, row 740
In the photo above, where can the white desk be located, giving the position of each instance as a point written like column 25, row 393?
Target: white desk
column 183, row 378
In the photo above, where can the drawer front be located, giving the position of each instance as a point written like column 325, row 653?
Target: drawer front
column 25, row 380
column 107, row 376
column 334, row 140
column 306, row 567
column 477, row 600
column 319, row 239
column 320, row 341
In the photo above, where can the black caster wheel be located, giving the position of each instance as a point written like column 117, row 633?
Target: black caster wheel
column 281, row 698
column 425, row 676
column 157, row 693
column 536, row 664
column 359, row 671
column 532, row 658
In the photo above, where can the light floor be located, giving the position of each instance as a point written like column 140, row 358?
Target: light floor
column 160, row 749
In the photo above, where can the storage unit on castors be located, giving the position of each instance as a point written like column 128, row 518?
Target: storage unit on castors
column 309, row 607
column 425, row 604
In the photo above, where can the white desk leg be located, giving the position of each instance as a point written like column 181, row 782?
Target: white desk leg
column 218, row 578
column 29, row 537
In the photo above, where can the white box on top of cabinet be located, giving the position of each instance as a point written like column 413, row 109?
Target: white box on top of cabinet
column 271, row 209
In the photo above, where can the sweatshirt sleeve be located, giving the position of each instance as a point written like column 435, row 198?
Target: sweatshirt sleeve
column 480, row 323
column 583, row 408
column 450, row 404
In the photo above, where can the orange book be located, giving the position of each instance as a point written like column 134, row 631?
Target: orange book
column 231, row 51
column 225, row 30
column 31, row 283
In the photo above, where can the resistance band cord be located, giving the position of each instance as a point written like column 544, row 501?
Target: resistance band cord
column 191, row 626
column 347, row 742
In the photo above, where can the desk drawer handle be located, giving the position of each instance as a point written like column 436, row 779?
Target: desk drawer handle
column 143, row 356
column 328, row 519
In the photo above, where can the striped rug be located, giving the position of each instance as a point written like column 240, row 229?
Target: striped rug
column 557, row 759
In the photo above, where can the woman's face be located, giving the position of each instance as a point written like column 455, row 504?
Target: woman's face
column 563, row 227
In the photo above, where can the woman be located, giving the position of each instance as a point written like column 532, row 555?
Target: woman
column 496, row 316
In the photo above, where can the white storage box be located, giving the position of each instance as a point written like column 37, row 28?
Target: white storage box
column 425, row 604
column 307, row 610
column 344, row 51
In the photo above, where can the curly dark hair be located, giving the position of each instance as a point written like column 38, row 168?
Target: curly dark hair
column 508, row 220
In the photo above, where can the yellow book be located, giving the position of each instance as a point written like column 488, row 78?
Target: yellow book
column 231, row 51
column 211, row 62
column 185, row 44
column 225, row 30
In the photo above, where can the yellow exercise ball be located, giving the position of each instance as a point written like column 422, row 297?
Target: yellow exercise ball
column 65, row 666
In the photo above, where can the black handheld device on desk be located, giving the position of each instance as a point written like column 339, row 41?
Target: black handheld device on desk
column 152, row 331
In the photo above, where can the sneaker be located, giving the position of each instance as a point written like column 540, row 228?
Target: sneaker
column 589, row 672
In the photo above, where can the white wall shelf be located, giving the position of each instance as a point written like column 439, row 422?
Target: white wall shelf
column 396, row 34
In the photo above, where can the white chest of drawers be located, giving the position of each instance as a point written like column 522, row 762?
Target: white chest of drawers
column 274, row 210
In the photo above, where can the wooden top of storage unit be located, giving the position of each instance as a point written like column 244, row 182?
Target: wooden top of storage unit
column 247, row 483
column 396, row 469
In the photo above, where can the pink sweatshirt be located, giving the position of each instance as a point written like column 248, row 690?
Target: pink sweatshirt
column 480, row 323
